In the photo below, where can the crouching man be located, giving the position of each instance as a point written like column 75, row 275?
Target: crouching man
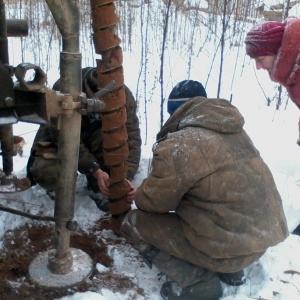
column 210, row 206
column 42, row 163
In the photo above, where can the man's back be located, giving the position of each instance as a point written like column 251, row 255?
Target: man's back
column 208, row 171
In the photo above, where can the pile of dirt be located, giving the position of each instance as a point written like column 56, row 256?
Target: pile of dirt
column 21, row 246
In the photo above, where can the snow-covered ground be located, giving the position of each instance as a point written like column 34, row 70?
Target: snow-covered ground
column 276, row 275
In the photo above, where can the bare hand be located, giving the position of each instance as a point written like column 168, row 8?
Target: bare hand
column 103, row 182
column 131, row 193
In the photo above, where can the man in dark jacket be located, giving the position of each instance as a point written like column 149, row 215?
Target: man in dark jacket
column 42, row 166
column 212, row 202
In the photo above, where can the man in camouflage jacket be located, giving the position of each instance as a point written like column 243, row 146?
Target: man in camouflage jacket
column 42, row 167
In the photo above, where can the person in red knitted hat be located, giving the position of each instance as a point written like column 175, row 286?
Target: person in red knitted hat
column 275, row 47
column 264, row 39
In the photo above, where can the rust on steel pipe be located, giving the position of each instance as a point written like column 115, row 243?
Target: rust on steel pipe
column 114, row 116
column 8, row 28
column 66, row 16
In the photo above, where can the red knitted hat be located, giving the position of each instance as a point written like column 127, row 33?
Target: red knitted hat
column 264, row 39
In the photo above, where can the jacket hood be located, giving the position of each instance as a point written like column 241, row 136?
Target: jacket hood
column 215, row 114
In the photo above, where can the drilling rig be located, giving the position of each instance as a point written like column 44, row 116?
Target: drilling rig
column 31, row 101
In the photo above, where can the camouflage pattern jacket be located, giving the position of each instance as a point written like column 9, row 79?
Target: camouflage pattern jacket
column 90, row 151
column 92, row 138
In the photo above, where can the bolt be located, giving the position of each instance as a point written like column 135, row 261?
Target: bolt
column 9, row 102
column 72, row 225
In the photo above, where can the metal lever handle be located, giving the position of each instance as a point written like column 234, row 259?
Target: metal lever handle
column 109, row 87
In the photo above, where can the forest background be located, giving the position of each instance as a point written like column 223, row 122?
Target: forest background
column 165, row 42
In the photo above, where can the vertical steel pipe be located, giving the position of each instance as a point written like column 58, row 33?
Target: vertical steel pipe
column 66, row 15
column 3, row 35
column 6, row 131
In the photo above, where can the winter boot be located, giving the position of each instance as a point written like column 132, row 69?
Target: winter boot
column 116, row 222
column 94, row 193
column 101, row 202
column 51, row 194
column 149, row 254
column 233, row 279
column 185, row 280
column 296, row 231
column 209, row 288
column 182, row 272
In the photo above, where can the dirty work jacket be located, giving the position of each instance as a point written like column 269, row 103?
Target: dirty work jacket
column 206, row 169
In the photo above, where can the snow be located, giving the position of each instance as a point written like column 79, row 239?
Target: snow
column 276, row 276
